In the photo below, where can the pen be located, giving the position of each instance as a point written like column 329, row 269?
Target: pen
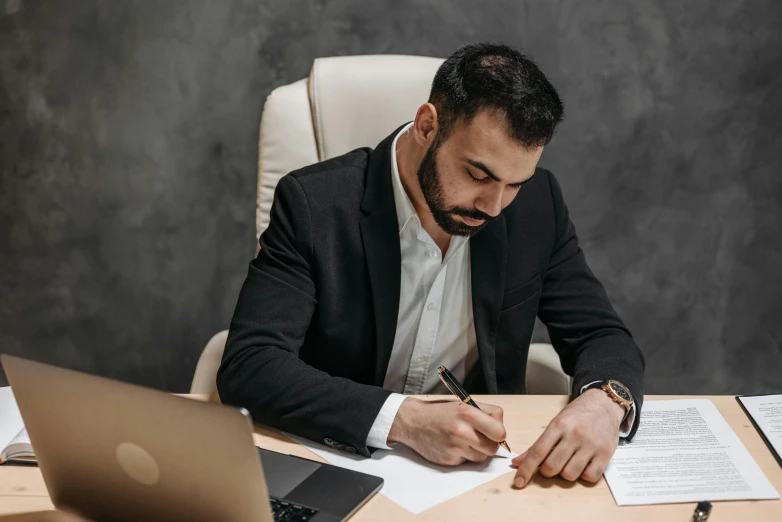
column 702, row 512
column 454, row 387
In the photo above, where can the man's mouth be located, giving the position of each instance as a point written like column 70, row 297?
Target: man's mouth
column 472, row 222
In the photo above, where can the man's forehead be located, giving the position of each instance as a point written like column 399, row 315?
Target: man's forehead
column 487, row 136
column 494, row 148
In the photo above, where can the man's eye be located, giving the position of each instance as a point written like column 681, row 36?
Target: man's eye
column 477, row 180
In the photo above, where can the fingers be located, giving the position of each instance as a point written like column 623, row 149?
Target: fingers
column 535, row 456
column 464, row 435
column 576, row 465
column 595, row 469
column 482, row 443
column 474, row 455
column 516, row 462
column 572, row 457
column 484, row 423
column 581, row 465
column 557, row 458
column 491, row 409
column 459, row 452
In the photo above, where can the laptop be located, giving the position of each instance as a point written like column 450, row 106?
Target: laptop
column 113, row 451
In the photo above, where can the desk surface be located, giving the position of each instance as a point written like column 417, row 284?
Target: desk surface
column 22, row 489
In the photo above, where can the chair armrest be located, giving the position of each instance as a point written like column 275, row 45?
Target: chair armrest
column 544, row 372
column 205, row 376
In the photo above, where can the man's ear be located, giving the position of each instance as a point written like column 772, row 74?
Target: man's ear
column 426, row 125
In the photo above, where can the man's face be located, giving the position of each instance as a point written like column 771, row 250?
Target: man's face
column 468, row 179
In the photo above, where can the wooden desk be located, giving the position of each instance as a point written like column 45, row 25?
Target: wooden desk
column 22, row 488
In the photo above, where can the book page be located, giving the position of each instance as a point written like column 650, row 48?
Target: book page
column 21, row 439
column 20, row 448
column 684, row 451
column 766, row 411
column 10, row 419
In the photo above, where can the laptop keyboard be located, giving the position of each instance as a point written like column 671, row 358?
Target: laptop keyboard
column 285, row 511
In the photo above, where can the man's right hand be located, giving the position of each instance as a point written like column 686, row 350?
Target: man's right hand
column 448, row 432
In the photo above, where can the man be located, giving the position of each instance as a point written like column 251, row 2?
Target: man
column 438, row 247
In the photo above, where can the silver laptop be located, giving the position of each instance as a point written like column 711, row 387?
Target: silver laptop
column 113, row 451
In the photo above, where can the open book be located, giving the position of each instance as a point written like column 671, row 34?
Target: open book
column 14, row 443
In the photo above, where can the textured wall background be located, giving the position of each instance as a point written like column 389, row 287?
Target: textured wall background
column 128, row 142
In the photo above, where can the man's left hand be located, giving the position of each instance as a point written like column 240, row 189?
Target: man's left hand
column 578, row 443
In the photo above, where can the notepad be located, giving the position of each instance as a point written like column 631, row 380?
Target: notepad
column 765, row 412
column 15, row 444
column 410, row 480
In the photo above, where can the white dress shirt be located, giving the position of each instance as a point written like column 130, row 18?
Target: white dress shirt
column 435, row 325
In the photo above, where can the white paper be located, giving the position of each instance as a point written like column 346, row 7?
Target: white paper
column 10, row 419
column 766, row 411
column 410, row 480
column 684, row 451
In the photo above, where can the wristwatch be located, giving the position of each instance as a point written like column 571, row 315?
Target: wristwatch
column 617, row 391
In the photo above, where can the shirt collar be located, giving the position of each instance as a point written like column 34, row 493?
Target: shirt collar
column 405, row 212
column 404, row 207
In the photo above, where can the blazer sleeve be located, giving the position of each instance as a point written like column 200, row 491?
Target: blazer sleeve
column 592, row 342
column 261, row 370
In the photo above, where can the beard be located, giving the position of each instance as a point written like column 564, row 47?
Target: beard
column 446, row 216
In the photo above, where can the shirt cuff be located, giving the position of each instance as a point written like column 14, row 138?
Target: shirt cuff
column 627, row 424
column 378, row 433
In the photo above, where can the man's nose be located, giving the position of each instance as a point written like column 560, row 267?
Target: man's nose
column 490, row 202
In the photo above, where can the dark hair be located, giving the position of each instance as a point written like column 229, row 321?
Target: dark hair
column 494, row 76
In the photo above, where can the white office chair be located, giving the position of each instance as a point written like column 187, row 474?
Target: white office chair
column 347, row 102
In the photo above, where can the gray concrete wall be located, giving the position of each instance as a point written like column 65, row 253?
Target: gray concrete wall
column 128, row 142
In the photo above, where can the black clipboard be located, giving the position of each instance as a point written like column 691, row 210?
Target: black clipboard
column 757, row 428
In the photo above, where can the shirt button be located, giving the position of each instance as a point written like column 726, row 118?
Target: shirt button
column 430, row 307
column 433, row 253
column 420, row 360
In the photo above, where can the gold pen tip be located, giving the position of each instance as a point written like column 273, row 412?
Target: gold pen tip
column 441, row 369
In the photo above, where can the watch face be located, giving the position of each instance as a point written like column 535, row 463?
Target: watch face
column 621, row 391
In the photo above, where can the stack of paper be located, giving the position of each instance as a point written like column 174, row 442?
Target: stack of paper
column 684, row 451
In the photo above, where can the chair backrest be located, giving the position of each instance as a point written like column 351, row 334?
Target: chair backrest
column 346, row 103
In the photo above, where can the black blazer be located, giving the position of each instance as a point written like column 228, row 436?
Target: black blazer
column 313, row 329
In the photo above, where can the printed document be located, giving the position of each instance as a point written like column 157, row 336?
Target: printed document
column 684, row 451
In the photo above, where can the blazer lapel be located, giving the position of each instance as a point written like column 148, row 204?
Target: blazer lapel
column 488, row 253
column 380, row 236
